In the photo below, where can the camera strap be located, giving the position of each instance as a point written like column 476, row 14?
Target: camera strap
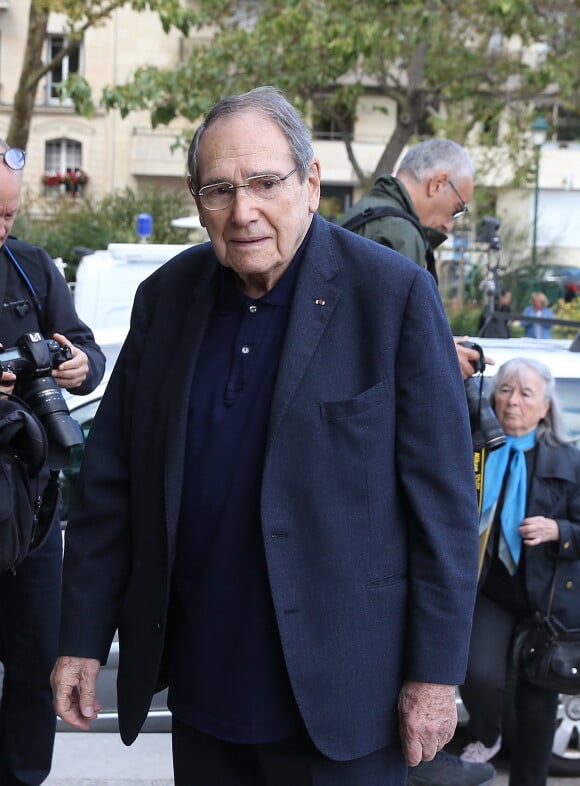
column 479, row 456
column 27, row 282
column 3, row 277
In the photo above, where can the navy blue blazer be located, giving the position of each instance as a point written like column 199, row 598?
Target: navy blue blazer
column 369, row 512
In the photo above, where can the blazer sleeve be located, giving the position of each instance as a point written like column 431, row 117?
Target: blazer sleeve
column 435, row 462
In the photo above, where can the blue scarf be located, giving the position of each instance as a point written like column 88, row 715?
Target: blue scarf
column 513, row 510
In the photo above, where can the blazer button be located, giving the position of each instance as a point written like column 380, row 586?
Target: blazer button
column 566, row 545
column 569, row 585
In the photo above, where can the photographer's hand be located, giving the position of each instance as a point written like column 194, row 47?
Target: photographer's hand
column 7, row 380
column 467, row 357
column 73, row 372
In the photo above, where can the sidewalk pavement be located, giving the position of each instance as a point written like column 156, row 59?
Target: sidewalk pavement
column 101, row 759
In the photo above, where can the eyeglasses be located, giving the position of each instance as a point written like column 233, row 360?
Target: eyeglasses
column 14, row 158
column 218, row 196
column 464, row 207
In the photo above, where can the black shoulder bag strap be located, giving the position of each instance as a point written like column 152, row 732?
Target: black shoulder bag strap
column 370, row 213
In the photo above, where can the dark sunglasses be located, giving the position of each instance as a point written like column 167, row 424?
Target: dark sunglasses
column 14, row 158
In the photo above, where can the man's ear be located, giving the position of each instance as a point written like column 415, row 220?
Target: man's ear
column 436, row 183
column 197, row 202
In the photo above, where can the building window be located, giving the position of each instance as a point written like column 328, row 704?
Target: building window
column 568, row 124
column 63, row 154
column 70, row 64
column 333, row 126
column 334, row 200
column 63, row 173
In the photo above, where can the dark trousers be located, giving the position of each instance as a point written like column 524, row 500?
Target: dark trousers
column 29, row 621
column 201, row 760
column 484, row 695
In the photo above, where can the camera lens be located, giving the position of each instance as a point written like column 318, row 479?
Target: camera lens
column 63, row 432
column 486, row 431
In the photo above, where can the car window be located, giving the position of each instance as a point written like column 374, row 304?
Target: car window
column 568, row 392
column 111, row 353
column 84, row 415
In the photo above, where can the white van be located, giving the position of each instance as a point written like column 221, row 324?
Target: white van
column 106, row 280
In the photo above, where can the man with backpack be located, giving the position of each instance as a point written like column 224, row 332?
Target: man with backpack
column 35, row 304
column 412, row 213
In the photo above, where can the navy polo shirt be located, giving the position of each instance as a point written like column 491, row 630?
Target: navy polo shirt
column 227, row 673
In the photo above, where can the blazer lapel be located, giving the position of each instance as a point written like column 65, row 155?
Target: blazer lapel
column 179, row 382
column 313, row 305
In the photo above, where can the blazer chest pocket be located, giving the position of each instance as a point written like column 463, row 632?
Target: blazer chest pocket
column 353, row 407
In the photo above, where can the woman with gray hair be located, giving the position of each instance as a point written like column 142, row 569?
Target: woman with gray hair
column 530, row 524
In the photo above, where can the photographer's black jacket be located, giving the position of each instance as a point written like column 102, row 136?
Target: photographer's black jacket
column 50, row 310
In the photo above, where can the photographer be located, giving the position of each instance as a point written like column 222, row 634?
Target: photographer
column 34, row 299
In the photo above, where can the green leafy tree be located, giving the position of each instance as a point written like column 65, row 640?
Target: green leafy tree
column 449, row 63
column 83, row 223
column 567, row 310
column 81, row 15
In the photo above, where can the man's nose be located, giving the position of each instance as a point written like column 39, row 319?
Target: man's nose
column 243, row 202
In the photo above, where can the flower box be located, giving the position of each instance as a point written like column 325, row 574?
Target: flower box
column 72, row 180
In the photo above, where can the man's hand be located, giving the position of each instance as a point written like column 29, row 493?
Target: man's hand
column 427, row 719
column 468, row 356
column 73, row 372
column 74, row 682
column 7, row 380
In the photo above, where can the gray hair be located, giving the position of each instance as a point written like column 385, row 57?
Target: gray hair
column 433, row 155
column 271, row 104
column 551, row 429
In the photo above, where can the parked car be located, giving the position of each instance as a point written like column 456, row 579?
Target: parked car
column 565, row 366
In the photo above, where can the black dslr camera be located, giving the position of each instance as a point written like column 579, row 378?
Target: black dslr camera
column 485, row 429
column 32, row 360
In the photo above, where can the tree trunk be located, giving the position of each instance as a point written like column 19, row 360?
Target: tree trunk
column 410, row 109
column 31, row 74
column 395, row 145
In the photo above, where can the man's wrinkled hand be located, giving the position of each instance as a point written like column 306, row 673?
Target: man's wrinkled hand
column 74, row 682
column 427, row 719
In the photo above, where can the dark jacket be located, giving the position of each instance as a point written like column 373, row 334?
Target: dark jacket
column 391, row 231
column 555, row 494
column 367, row 464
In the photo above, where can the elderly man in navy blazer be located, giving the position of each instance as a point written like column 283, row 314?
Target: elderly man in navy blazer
column 277, row 506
